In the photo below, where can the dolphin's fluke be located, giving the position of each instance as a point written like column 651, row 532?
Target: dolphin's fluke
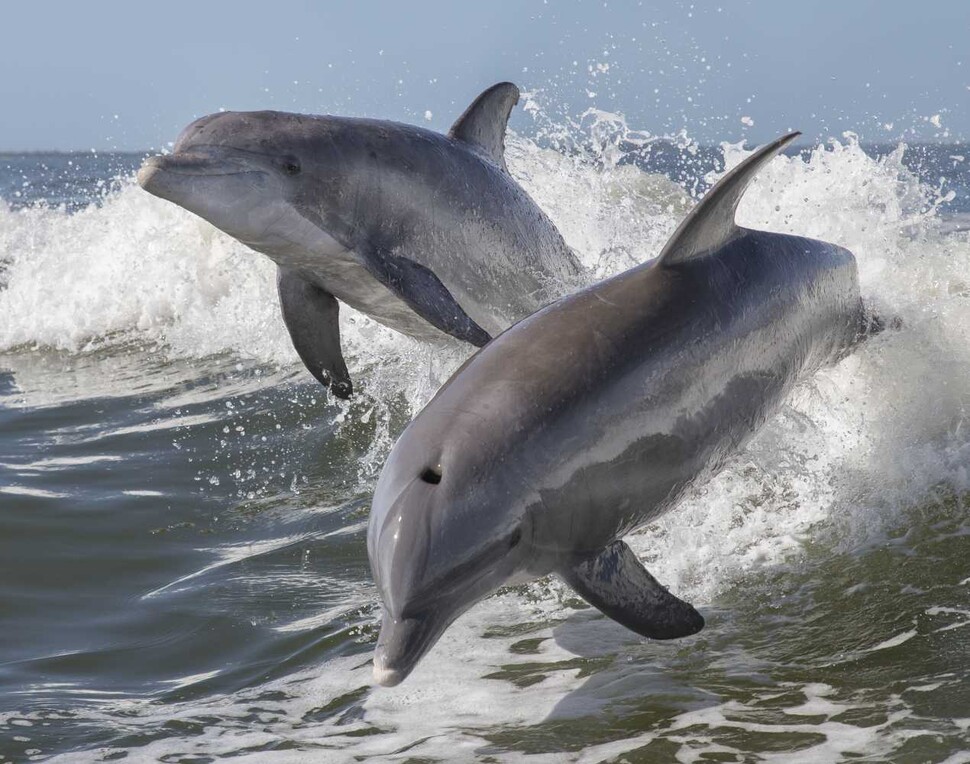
column 483, row 123
column 710, row 225
column 311, row 315
column 616, row 583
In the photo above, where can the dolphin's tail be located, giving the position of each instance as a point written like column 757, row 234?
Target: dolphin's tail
column 871, row 323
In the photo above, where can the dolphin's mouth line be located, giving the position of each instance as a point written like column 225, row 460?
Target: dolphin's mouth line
column 456, row 583
column 207, row 161
column 207, row 174
column 199, row 171
column 404, row 651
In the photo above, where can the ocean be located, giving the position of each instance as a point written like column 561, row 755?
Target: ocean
column 183, row 572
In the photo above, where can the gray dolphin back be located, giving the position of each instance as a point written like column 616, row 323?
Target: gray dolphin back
column 425, row 233
column 613, row 580
column 593, row 416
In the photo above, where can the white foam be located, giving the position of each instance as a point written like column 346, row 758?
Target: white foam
column 229, row 554
column 22, row 490
column 855, row 447
column 63, row 462
column 187, row 681
column 893, row 641
column 135, row 266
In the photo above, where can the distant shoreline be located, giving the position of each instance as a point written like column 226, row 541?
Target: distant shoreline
column 73, row 152
column 793, row 149
column 797, row 148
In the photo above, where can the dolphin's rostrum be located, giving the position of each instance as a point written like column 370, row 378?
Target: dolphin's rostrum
column 426, row 233
column 591, row 418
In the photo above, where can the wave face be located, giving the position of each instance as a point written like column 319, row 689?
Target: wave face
column 183, row 572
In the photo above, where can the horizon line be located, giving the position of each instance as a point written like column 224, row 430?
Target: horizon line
column 801, row 146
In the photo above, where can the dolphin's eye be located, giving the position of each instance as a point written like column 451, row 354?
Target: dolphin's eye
column 431, row 475
column 515, row 538
column 291, row 167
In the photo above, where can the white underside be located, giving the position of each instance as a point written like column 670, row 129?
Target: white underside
column 292, row 241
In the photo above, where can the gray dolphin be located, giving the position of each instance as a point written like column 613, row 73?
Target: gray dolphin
column 426, row 233
column 591, row 417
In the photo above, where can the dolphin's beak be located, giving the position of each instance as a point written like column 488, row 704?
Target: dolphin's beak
column 401, row 645
column 159, row 174
column 149, row 172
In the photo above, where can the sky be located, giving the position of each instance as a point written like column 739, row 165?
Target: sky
column 128, row 76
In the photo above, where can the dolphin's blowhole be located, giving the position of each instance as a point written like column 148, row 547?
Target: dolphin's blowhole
column 431, row 475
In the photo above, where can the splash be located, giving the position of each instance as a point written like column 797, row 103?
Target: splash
column 885, row 425
column 861, row 443
column 855, row 449
column 133, row 268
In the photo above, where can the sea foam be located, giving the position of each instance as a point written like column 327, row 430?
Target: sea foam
column 856, row 447
column 136, row 269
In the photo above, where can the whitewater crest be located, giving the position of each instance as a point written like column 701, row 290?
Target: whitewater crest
column 135, row 270
column 136, row 294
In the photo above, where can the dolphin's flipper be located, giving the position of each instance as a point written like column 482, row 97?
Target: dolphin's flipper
column 311, row 317
column 425, row 295
column 617, row 583
column 710, row 225
column 483, row 123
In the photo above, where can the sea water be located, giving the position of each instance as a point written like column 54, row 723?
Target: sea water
column 183, row 572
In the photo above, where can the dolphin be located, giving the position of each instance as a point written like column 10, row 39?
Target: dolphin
column 426, row 233
column 593, row 416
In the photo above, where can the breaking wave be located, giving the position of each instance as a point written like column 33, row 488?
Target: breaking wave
column 854, row 451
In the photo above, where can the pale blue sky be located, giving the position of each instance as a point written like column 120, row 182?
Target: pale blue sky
column 123, row 75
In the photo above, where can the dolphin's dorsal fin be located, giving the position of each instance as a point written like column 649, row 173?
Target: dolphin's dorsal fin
column 483, row 123
column 711, row 224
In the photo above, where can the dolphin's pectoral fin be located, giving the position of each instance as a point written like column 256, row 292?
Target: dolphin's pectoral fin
column 426, row 295
column 483, row 123
column 617, row 583
column 311, row 316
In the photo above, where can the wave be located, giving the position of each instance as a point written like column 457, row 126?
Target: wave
column 136, row 288
column 135, row 269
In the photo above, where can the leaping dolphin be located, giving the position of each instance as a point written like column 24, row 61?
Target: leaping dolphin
column 591, row 417
column 426, row 233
